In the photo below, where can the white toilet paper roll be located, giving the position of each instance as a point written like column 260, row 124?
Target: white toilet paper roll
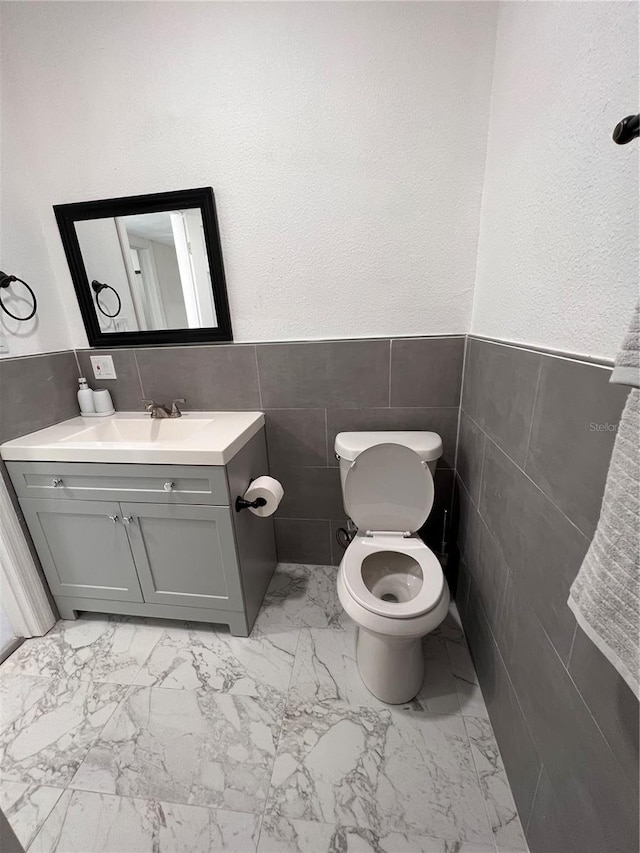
column 268, row 488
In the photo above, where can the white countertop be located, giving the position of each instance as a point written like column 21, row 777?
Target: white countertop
column 197, row 438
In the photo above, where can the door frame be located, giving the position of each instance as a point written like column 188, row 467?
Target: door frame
column 24, row 596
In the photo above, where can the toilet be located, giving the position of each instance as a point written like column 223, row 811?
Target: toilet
column 389, row 582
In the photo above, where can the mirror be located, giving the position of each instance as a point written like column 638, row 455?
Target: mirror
column 147, row 269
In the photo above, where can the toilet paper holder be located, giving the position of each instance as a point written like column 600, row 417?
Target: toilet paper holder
column 242, row 503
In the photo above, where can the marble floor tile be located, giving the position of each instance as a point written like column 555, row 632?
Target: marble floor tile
column 501, row 808
column 93, row 648
column 326, row 670
column 469, row 693
column 282, row 835
column 85, row 822
column 286, row 597
column 302, row 595
column 451, row 627
column 186, row 746
column 410, row 773
column 258, row 666
column 49, row 724
column 27, row 806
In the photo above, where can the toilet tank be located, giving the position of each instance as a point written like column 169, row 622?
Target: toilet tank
column 428, row 446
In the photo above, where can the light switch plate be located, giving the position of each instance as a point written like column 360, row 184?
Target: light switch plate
column 103, row 367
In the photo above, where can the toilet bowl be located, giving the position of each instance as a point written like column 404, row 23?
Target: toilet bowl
column 389, row 582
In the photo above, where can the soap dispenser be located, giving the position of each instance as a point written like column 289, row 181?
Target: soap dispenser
column 85, row 398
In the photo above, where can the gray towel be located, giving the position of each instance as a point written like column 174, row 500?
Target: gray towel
column 605, row 595
column 627, row 366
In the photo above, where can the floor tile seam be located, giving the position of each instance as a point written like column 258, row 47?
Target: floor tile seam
column 99, row 734
column 386, row 826
column 340, row 704
column 164, row 800
column 279, row 737
column 48, row 815
column 10, row 674
column 481, row 786
column 476, row 683
column 504, row 772
column 147, row 658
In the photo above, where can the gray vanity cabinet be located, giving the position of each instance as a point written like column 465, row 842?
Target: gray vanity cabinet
column 151, row 540
column 185, row 555
column 83, row 548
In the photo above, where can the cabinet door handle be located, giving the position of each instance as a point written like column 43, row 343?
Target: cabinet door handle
column 168, row 486
column 56, row 482
column 127, row 519
column 113, row 518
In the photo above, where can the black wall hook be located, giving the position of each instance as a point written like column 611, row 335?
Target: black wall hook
column 6, row 281
column 626, row 130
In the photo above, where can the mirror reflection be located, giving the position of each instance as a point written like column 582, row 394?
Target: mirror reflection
column 148, row 271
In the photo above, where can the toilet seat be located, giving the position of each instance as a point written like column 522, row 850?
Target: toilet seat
column 431, row 589
column 388, row 487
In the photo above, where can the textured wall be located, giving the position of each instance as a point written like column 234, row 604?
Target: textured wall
column 531, row 474
column 23, row 249
column 336, row 139
column 558, row 251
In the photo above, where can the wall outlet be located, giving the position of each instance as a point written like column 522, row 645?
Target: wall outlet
column 103, row 367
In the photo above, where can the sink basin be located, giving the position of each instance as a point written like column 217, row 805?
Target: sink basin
column 137, row 431
column 197, row 438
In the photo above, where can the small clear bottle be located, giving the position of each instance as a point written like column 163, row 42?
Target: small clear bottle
column 85, row 398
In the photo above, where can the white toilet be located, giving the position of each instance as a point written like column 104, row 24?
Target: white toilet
column 389, row 582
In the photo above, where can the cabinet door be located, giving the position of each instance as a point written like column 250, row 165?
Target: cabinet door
column 83, row 548
column 185, row 555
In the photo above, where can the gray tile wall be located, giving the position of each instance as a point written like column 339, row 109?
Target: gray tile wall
column 35, row 392
column 530, row 478
column 309, row 392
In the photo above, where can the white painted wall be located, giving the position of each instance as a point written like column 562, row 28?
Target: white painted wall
column 345, row 143
column 558, row 253
column 23, row 249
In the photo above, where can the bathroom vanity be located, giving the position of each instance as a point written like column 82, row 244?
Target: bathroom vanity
column 159, row 536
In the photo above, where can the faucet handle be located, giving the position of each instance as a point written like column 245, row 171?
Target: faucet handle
column 149, row 405
column 175, row 409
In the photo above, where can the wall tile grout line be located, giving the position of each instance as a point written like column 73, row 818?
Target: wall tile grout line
column 390, row 367
column 326, row 438
column 542, row 492
column 552, row 645
column 533, row 416
column 255, row 353
column 573, row 639
column 533, row 799
column 484, row 453
column 135, row 358
column 464, row 363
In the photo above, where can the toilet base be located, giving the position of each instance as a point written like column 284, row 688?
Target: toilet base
column 392, row 668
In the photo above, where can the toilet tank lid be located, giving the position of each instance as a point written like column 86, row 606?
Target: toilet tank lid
column 428, row 445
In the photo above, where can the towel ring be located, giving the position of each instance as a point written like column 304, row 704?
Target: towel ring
column 5, row 282
column 98, row 286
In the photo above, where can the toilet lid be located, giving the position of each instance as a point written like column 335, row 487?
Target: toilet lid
column 388, row 487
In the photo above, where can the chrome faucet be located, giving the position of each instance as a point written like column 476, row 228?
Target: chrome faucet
column 159, row 410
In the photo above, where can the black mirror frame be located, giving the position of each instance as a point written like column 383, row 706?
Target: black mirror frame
column 202, row 198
